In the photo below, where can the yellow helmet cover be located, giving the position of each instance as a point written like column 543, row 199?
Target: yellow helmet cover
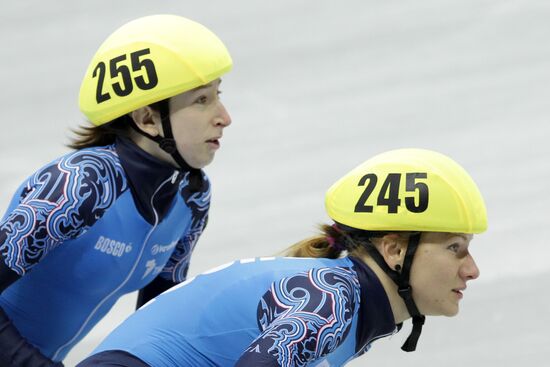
column 147, row 60
column 408, row 190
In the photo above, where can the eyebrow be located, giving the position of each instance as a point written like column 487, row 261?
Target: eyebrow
column 206, row 85
column 460, row 235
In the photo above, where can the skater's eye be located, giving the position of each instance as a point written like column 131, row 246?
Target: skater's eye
column 201, row 99
column 455, row 247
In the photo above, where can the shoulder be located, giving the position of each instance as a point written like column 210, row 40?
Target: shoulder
column 61, row 201
column 81, row 183
column 308, row 314
column 85, row 164
column 77, row 172
column 99, row 161
column 330, row 291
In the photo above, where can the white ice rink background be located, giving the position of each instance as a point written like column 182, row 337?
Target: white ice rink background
column 318, row 87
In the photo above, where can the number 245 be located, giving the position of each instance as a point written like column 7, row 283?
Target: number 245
column 389, row 192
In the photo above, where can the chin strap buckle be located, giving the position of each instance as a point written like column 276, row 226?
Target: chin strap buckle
column 405, row 292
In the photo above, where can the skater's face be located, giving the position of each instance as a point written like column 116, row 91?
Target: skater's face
column 441, row 268
column 198, row 119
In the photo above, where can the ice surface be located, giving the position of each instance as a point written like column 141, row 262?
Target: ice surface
column 318, row 87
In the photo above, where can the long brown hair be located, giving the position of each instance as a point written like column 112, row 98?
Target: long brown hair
column 89, row 135
column 336, row 241
column 93, row 136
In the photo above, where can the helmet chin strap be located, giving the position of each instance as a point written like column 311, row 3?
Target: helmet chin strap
column 168, row 144
column 401, row 276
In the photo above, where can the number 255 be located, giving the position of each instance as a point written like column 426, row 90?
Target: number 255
column 117, row 69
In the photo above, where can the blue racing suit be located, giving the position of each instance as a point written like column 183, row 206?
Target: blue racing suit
column 258, row 312
column 88, row 228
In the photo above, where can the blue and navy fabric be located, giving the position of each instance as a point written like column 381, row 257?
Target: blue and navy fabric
column 89, row 227
column 261, row 312
column 114, row 358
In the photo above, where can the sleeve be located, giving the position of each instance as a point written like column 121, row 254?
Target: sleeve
column 59, row 202
column 303, row 318
column 153, row 289
column 175, row 270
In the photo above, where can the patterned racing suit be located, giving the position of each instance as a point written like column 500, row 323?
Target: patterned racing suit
column 257, row 312
column 86, row 229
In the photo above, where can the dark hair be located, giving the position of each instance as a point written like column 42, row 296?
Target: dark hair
column 336, row 241
column 93, row 136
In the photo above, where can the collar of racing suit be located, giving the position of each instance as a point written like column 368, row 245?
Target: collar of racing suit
column 375, row 314
column 145, row 174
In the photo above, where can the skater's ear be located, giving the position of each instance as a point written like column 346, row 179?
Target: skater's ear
column 147, row 120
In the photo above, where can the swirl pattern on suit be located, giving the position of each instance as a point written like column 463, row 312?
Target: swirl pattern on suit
column 308, row 315
column 199, row 203
column 59, row 202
